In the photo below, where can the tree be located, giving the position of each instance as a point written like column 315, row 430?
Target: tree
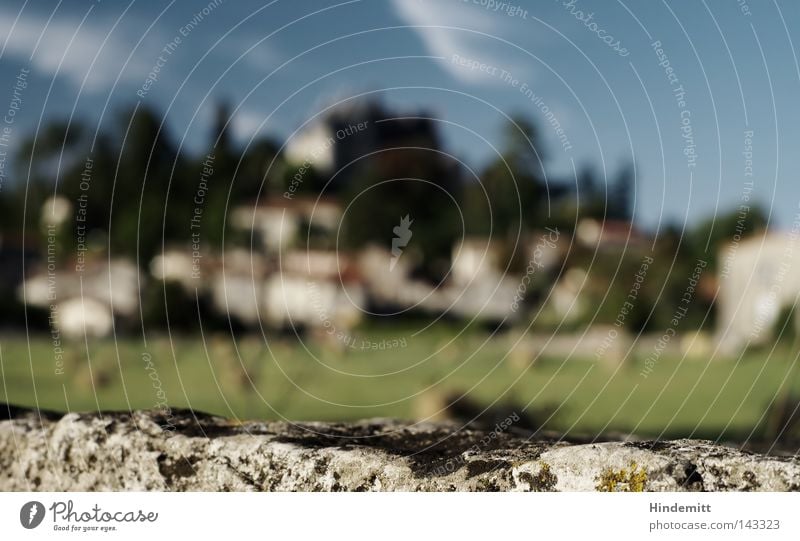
column 417, row 183
column 704, row 240
column 509, row 196
column 621, row 194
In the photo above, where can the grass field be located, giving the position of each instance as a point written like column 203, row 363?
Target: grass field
column 284, row 378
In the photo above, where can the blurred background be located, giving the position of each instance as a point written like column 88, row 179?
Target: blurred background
column 580, row 212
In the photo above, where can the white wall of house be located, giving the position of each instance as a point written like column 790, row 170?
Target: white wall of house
column 758, row 277
column 292, row 300
column 88, row 301
column 77, row 316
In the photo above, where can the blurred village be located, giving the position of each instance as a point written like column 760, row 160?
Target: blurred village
column 362, row 215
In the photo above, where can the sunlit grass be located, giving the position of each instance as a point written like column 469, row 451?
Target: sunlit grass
column 326, row 380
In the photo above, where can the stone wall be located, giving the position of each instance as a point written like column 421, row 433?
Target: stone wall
column 124, row 451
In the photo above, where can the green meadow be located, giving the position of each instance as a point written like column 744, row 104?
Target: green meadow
column 376, row 375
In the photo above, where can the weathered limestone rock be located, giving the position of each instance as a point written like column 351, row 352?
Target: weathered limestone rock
column 131, row 451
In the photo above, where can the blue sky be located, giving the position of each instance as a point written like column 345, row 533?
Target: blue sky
column 279, row 63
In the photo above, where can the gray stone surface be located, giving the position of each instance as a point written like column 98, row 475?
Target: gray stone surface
column 124, row 451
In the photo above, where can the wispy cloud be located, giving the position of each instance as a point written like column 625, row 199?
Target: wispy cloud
column 247, row 124
column 438, row 24
column 61, row 49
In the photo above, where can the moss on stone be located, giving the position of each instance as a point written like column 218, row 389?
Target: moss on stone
column 632, row 479
column 544, row 480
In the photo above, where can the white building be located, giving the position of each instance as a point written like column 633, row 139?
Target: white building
column 313, row 146
column 758, row 278
column 277, row 222
column 86, row 301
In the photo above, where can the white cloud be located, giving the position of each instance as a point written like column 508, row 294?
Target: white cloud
column 429, row 16
column 260, row 58
column 23, row 40
column 247, row 123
